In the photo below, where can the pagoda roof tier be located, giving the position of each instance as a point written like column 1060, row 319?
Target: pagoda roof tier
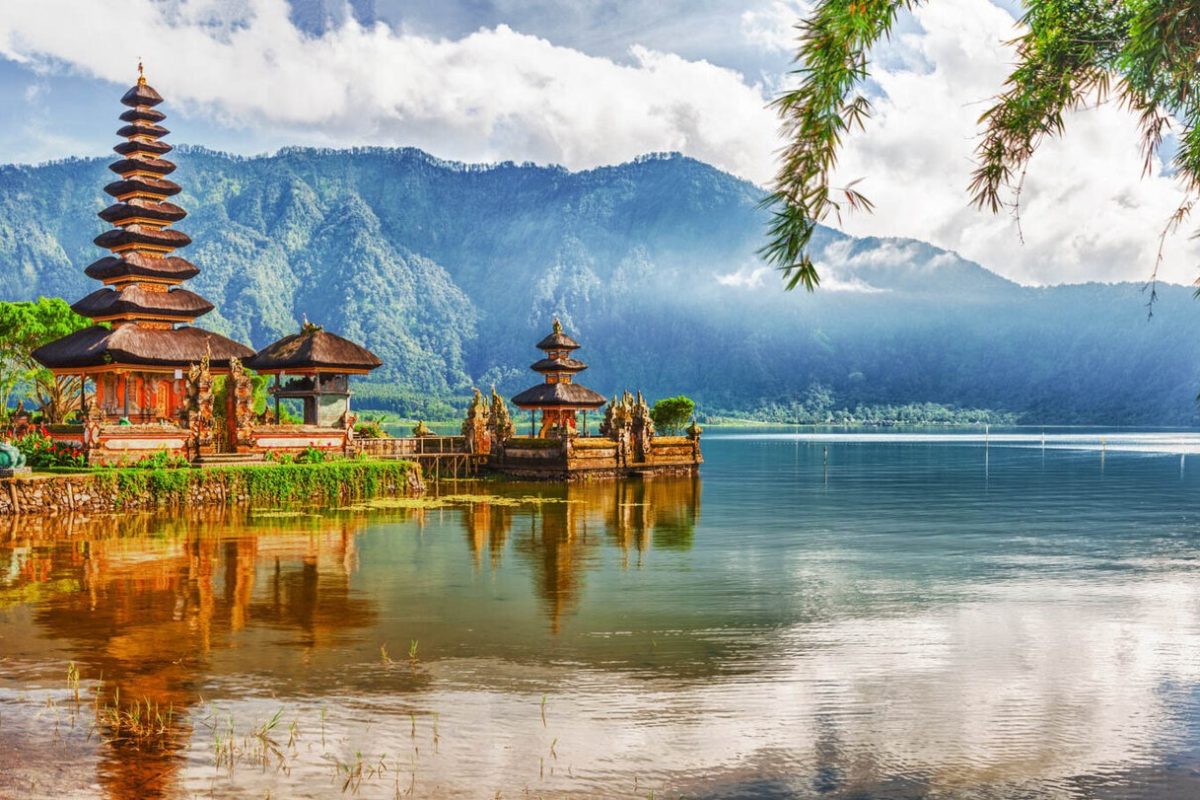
column 151, row 149
column 142, row 235
column 150, row 115
column 135, row 301
column 139, row 265
column 558, row 365
column 312, row 350
column 142, row 129
column 558, row 395
column 557, row 340
column 144, row 185
column 159, row 166
column 138, row 208
column 142, row 94
column 136, row 346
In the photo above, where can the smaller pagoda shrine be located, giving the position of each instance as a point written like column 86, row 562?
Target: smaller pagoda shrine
column 317, row 366
column 559, row 397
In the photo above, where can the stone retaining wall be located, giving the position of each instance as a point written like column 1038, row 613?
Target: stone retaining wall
column 133, row 489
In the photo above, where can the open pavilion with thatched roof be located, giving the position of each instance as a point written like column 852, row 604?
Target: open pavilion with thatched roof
column 319, row 365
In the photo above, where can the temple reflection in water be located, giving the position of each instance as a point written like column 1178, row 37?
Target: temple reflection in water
column 145, row 603
column 163, row 607
column 559, row 536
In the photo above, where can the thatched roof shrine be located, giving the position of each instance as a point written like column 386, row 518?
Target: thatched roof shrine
column 558, row 397
column 312, row 350
column 559, row 394
column 138, row 346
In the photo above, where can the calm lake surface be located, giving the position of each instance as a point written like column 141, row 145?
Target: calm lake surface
column 839, row 615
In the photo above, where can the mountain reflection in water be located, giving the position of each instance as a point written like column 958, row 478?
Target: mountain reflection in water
column 874, row 618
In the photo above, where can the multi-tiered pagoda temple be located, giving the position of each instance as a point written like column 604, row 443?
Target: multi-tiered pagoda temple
column 559, row 398
column 138, row 359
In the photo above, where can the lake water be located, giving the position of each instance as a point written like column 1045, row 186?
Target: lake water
column 820, row 615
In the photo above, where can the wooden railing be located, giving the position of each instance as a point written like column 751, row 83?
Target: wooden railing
column 409, row 447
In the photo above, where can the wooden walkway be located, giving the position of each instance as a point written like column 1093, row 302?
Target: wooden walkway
column 439, row 456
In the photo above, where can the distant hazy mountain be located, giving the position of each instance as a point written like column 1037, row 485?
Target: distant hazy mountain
column 451, row 273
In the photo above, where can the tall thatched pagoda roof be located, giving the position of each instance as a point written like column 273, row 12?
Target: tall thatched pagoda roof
column 137, row 346
column 142, row 299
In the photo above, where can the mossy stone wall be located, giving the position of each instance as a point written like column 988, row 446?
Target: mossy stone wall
column 120, row 489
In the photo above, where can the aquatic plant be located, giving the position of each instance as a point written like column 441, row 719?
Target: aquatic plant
column 143, row 722
column 265, row 485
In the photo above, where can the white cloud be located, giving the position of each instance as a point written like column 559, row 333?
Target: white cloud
column 833, row 279
column 494, row 94
column 1087, row 214
column 499, row 93
column 745, row 277
column 773, row 26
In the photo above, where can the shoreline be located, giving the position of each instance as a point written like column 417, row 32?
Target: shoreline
column 109, row 490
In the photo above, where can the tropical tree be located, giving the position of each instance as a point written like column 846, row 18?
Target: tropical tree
column 671, row 414
column 25, row 326
column 1143, row 53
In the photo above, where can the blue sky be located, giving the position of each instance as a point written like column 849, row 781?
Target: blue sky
column 585, row 83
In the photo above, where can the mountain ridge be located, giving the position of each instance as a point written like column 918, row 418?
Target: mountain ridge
column 452, row 271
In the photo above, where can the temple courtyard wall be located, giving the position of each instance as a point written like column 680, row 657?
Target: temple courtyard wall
column 595, row 458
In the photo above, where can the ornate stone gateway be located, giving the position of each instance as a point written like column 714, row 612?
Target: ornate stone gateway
column 476, row 427
column 239, row 407
column 200, row 419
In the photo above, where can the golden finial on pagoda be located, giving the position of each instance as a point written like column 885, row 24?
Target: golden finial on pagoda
column 141, row 73
column 557, row 326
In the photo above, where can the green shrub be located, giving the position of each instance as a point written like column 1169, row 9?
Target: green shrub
column 42, row 452
column 369, row 429
column 161, row 459
column 311, row 455
column 270, row 484
column 671, row 414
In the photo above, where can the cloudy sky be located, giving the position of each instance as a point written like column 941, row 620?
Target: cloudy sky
column 590, row 82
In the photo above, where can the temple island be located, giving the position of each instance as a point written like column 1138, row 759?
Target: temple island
column 152, row 369
column 151, row 383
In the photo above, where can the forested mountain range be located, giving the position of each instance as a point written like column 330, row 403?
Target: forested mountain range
column 451, row 273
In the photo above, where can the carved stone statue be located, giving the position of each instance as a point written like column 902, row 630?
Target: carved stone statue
column 92, row 420
column 11, row 457
column 20, row 419
column 475, row 426
column 200, row 405
column 618, row 424
column 242, row 392
column 641, row 428
column 500, row 424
